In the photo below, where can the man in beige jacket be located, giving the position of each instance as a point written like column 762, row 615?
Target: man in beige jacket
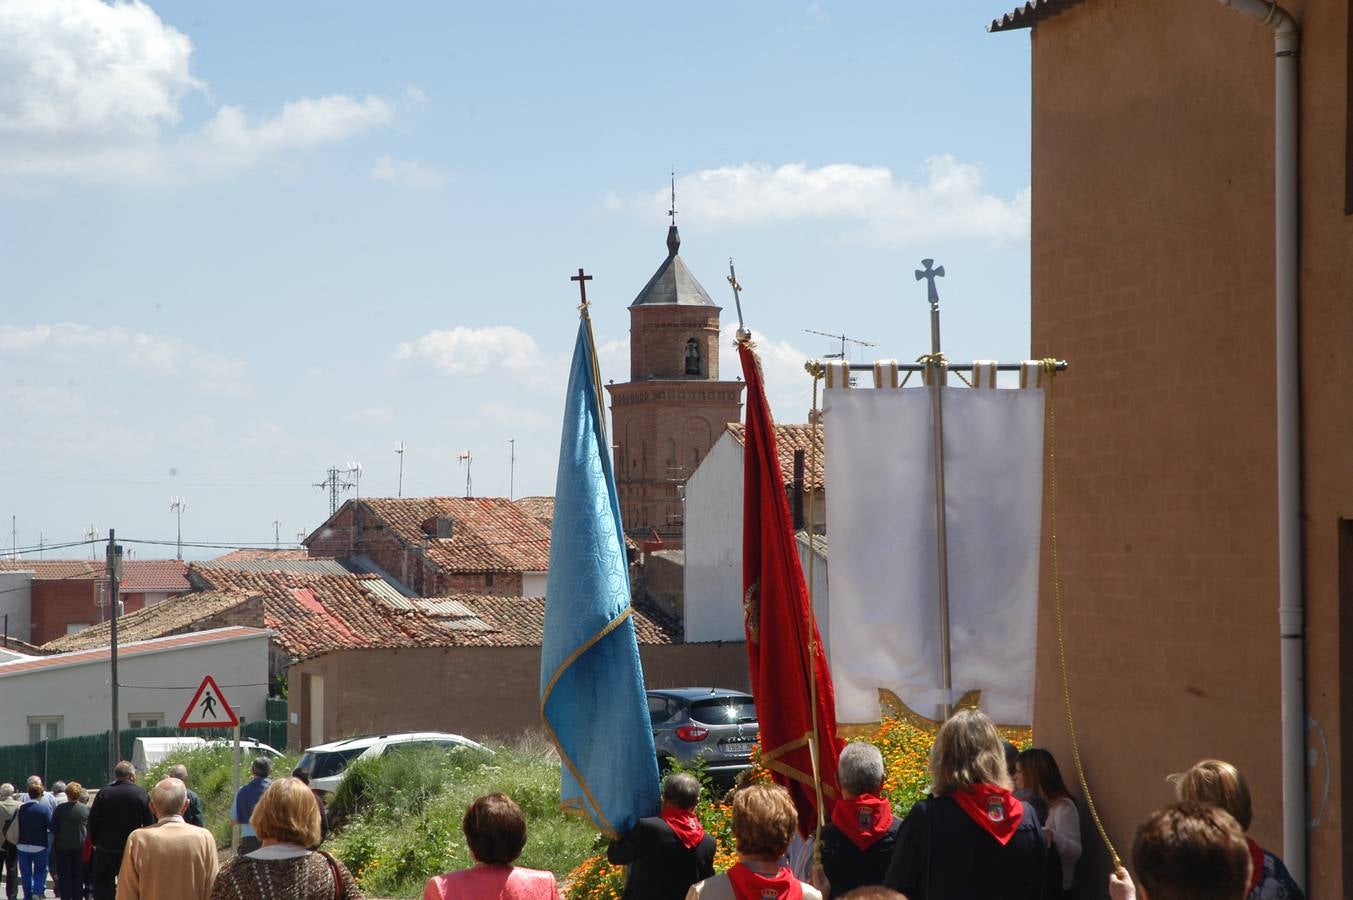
column 170, row 860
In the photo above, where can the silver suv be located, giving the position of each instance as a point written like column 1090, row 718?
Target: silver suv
column 713, row 724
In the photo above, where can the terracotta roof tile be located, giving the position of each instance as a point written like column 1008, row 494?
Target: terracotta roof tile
column 489, row 534
column 520, row 621
column 789, row 438
column 252, row 554
column 540, row 507
column 173, row 616
column 138, row 575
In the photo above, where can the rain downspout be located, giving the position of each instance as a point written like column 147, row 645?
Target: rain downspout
column 1291, row 603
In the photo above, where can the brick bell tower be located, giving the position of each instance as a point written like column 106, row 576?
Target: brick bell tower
column 674, row 407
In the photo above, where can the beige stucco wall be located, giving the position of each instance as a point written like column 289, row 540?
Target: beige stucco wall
column 1152, row 273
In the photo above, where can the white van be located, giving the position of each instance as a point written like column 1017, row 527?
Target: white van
column 147, row 751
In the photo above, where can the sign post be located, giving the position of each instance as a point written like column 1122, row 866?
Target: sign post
column 209, row 709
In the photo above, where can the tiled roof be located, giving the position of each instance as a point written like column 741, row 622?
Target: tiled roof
column 489, row 534
column 1029, row 14
column 14, row 645
column 173, row 616
column 789, row 438
column 321, row 566
column 99, row 654
column 253, row 554
column 540, row 507
column 520, row 621
column 138, row 575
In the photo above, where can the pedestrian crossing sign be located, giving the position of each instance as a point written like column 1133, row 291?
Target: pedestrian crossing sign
column 209, row 708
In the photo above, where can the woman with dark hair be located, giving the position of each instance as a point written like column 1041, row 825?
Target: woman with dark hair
column 495, row 829
column 1036, row 770
column 972, row 838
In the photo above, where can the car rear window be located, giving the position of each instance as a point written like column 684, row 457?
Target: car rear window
column 724, row 710
column 323, row 765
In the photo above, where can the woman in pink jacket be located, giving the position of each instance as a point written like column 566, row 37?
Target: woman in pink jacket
column 495, row 829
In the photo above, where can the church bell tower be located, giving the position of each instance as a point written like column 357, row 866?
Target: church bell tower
column 674, row 407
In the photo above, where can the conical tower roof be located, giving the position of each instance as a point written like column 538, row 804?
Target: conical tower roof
column 673, row 284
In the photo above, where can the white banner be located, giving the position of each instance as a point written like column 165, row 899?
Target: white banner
column 884, row 613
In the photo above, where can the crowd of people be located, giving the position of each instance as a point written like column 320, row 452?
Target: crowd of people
column 997, row 824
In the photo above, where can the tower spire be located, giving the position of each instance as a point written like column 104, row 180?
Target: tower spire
column 673, row 238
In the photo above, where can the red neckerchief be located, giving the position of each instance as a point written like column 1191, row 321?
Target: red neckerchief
column 684, row 824
column 863, row 819
column 748, row 885
column 992, row 807
column 1256, row 863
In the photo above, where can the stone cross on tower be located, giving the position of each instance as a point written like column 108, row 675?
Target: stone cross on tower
column 929, row 274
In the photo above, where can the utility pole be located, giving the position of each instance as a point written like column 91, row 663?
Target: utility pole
column 277, row 534
column 334, row 482
column 399, row 448
column 13, row 537
column 177, row 505
column 114, row 588
column 512, row 468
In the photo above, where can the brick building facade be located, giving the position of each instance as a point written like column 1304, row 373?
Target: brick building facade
column 68, row 595
column 1153, row 273
column 674, row 407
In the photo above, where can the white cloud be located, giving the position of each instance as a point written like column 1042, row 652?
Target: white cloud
column 472, row 351
column 94, row 90
column 69, row 347
column 947, row 200
column 407, row 173
column 789, row 388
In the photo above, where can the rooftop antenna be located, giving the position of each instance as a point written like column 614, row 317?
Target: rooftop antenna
column 355, row 470
column 399, row 449
column 465, row 459
column 277, row 534
column 511, row 467
column 300, row 535
column 843, row 339
column 90, row 533
column 176, row 506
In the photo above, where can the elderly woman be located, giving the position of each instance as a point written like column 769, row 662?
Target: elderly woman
column 972, row 838
column 1221, row 784
column 1036, row 770
column 495, row 830
column 286, row 821
column 858, row 844
column 70, row 823
column 764, row 820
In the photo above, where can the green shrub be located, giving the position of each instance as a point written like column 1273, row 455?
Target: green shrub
column 210, row 775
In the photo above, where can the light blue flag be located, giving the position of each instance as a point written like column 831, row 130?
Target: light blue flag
column 592, row 696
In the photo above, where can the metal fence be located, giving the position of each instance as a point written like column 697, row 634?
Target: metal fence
column 85, row 758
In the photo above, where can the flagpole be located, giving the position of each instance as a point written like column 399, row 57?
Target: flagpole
column 935, row 370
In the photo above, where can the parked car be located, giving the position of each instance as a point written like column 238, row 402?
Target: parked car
column 147, row 751
column 326, row 763
column 713, row 724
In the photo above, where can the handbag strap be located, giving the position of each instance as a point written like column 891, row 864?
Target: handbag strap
column 333, row 870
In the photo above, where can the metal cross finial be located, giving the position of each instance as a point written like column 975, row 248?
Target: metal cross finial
column 743, row 334
column 582, row 280
column 930, row 274
column 673, row 210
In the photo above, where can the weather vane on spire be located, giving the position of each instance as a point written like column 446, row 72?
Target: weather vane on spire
column 673, row 210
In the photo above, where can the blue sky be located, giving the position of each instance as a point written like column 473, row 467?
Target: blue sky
column 242, row 242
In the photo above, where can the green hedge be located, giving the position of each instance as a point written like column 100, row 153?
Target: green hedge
column 85, row 758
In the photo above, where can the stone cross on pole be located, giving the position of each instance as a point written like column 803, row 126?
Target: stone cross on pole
column 929, row 273
column 582, row 280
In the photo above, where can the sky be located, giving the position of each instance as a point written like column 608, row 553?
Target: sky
column 242, row 243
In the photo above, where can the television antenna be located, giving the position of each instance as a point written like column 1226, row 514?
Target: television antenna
column 465, row 459
column 277, row 534
column 176, row 506
column 90, row 534
column 399, row 449
column 843, row 339
column 355, row 470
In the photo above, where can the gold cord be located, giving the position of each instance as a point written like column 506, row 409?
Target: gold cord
column 1049, row 367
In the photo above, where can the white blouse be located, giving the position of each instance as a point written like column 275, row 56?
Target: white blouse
column 1065, row 822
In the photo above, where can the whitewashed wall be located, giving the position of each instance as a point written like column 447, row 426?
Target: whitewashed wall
column 713, row 543
column 79, row 691
column 533, row 584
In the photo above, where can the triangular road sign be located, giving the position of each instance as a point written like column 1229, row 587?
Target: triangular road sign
column 209, row 708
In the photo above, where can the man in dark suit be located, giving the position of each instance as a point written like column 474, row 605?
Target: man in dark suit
column 119, row 809
column 666, row 853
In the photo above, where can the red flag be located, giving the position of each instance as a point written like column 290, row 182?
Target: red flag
column 780, row 624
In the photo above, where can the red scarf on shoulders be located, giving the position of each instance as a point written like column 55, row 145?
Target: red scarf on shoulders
column 992, row 807
column 863, row 819
column 748, row 885
column 1256, row 863
column 684, row 824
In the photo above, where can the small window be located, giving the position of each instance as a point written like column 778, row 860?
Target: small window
column 145, row 720
column 692, row 357
column 45, row 728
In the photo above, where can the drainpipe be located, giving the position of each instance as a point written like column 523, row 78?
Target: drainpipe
column 1291, row 603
